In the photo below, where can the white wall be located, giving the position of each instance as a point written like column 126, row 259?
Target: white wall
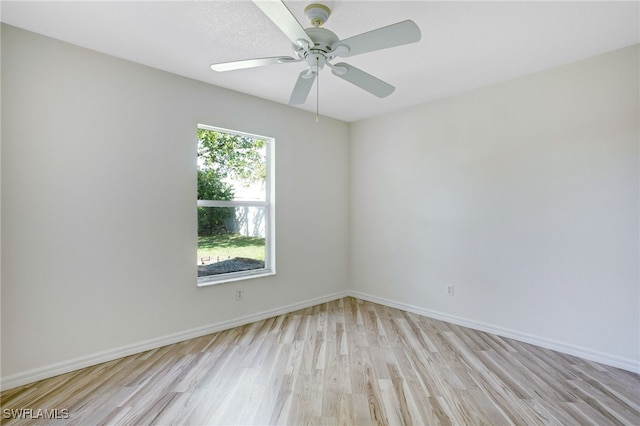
column 98, row 203
column 524, row 196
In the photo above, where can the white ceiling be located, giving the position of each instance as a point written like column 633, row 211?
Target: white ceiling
column 465, row 45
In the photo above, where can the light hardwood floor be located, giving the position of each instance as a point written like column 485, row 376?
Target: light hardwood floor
column 345, row 362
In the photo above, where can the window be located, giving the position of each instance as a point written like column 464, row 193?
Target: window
column 235, row 206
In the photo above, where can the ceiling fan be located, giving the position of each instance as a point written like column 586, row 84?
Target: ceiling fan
column 317, row 47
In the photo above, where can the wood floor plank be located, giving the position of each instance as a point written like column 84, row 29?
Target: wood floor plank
column 345, row 362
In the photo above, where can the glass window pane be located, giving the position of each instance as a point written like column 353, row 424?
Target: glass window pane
column 231, row 167
column 230, row 239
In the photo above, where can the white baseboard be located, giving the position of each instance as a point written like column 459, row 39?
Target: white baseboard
column 628, row 364
column 52, row 370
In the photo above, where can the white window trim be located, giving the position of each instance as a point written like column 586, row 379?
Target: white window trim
column 230, row 203
column 269, row 205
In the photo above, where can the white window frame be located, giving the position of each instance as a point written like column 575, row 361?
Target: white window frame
column 268, row 204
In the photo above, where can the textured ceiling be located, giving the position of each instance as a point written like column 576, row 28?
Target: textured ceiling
column 465, row 45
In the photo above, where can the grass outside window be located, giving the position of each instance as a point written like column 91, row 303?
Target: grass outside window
column 212, row 248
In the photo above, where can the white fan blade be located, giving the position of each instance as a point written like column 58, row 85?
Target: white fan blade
column 365, row 81
column 252, row 63
column 278, row 12
column 404, row 32
column 302, row 88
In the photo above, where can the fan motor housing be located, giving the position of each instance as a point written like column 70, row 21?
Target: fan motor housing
column 316, row 56
column 322, row 39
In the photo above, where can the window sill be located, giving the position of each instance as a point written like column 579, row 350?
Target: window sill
column 233, row 276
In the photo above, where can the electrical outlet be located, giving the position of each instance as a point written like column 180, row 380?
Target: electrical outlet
column 450, row 290
column 239, row 294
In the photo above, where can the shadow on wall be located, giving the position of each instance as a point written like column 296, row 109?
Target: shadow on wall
column 248, row 221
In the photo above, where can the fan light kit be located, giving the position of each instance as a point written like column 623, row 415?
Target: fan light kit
column 317, row 46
